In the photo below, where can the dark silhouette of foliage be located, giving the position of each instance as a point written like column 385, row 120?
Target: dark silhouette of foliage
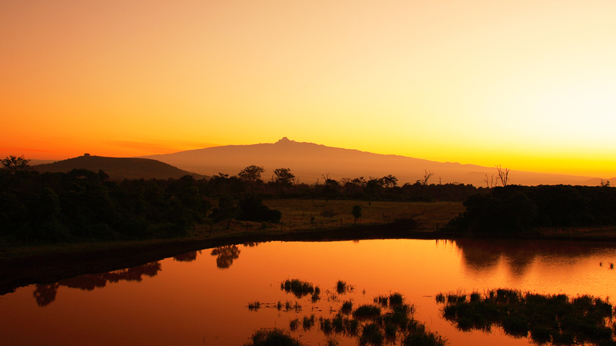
column 356, row 212
column 252, row 209
column 558, row 319
column 225, row 211
column 225, row 255
column 15, row 164
column 515, row 209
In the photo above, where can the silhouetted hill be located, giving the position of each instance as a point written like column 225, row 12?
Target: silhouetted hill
column 118, row 168
column 308, row 161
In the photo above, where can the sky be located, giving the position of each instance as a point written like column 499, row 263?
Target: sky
column 529, row 85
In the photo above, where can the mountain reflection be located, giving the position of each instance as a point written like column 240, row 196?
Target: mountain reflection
column 484, row 255
column 226, row 255
column 44, row 294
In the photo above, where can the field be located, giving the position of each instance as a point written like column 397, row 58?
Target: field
column 307, row 214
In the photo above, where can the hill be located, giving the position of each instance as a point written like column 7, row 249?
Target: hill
column 309, row 161
column 118, row 168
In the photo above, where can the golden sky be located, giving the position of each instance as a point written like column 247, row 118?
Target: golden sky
column 530, row 85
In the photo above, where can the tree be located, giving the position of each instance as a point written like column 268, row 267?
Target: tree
column 356, row 212
column 389, row 181
column 283, row 178
column 503, row 174
column 16, row 164
column 251, row 175
column 225, row 211
column 427, row 175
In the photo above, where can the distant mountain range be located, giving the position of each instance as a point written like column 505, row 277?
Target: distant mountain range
column 118, row 168
column 309, row 162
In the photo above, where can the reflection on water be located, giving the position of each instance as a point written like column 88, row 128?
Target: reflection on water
column 187, row 257
column 193, row 301
column 557, row 319
column 484, row 255
column 45, row 294
column 225, row 255
column 390, row 319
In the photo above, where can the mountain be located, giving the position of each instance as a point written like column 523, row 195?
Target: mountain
column 118, row 168
column 309, row 161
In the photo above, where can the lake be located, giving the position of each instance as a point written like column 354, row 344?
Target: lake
column 203, row 298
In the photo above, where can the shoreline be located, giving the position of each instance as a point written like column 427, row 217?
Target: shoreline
column 23, row 268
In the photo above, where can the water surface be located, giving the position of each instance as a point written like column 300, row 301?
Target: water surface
column 202, row 297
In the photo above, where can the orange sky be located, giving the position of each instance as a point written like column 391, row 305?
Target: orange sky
column 530, row 85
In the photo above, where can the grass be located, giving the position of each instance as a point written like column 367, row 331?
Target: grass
column 308, row 322
column 298, row 287
column 254, row 306
column 558, row 319
column 367, row 312
column 370, row 324
column 270, row 337
column 297, row 213
column 347, row 307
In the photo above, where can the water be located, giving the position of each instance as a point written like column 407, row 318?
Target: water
column 202, row 298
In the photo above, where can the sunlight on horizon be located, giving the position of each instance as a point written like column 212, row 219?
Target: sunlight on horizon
column 527, row 85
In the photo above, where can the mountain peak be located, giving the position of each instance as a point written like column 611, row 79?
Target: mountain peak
column 284, row 140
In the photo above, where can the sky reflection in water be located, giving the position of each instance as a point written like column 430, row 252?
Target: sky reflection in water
column 197, row 298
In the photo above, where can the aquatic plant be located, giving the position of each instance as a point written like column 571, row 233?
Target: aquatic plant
column 383, row 300
column 332, row 341
column 275, row 336
column 254, row 306
column 395, row 298
column 367, row 312
column 341, row 287
column 308, row 322
column 347, row 307
column 544, row 318
column 293, row 324
column 371, row 335
column 298, row 287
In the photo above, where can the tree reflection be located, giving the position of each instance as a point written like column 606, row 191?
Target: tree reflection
column 481, row 255
column 187, row 257
column 226, row 255
column 45, row 294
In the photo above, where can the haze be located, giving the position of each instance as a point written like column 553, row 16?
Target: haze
column 526, row 84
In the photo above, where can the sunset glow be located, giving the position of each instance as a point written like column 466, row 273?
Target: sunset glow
column 530, row 85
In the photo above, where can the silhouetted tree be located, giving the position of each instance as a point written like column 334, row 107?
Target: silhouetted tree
column 225, row 211
column 16, row 164
column 427, row 175
column 503, row 175
column 251, row 175
column 356, row 212
column 283, row 178
column 252, row 209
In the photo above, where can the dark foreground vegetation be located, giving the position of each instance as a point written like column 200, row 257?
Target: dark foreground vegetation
column 81, row 205
column 557, row 319
column 515, row 209
column 389, row 321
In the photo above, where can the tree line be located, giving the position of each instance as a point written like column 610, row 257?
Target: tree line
column 516, row 209
column 84, row 205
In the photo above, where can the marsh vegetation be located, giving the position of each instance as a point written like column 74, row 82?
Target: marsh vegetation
column 557, row 319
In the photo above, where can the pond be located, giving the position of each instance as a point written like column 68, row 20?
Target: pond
column 209, row 297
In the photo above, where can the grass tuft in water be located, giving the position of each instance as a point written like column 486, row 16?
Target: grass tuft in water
column 298, row 287
column 347, row 307
column 308, row 322
column 547, row 318
column 254, row 306
column 367, row 312
column 275, row 336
